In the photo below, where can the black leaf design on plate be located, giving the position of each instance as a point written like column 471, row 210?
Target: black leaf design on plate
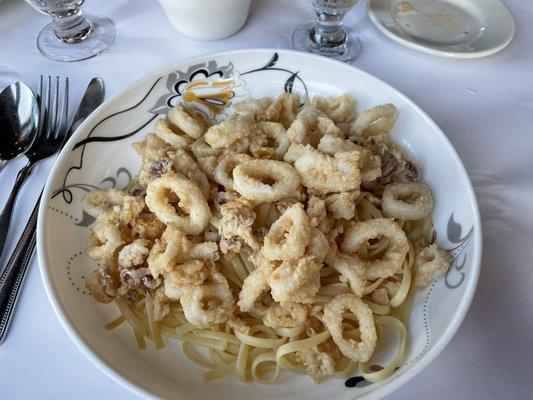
column 271, row 66
column 290, row 82
column 272, row 61
column 113, row 138
column 86, row 220
column 454, row 231
column 113, row 180
column 356, row 382
column 352, row 382
column 84, row 142
column 456, row 266
column 455, row 235
column 110, row 179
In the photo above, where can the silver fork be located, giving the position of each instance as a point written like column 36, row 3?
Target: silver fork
column 52, row 133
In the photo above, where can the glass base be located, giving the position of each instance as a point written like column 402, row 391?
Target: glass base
column 102, row 36
column 348, row 51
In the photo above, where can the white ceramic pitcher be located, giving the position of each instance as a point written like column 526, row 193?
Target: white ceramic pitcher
column 206, row 19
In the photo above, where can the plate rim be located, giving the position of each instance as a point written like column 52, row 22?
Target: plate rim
column 82, row 344
column 441, row 53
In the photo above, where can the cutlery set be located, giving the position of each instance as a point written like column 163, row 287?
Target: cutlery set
column 36, row 126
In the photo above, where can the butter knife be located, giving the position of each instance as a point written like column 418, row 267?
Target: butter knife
column 13, row 274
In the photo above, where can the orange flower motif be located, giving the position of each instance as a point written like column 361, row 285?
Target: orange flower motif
column 207, row 88
column 209, row 97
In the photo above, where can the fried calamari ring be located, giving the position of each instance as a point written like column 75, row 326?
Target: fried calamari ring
column 152, row 147
column 230, row 131
column 152, row 169
column 340, row 109
column 189, row 124
column 318, row 364
column 369, row 164
column 295, row 281
column 351, row 270
column 103, row 242
column 209, row 304
column 226, row 164
column 206, row 251
column 270, row 141
column 276, row 133
column 205, row 306
column 173, row 248
column 249, row 180
column 392, row 260
column 259, row 147
column 359, row 351
column 289, row 235
column 173, row 292
column 254, row 287
column 147, row 226
column 332, row 144
column 385, row 292
column 283, row 110
column 318, row 217
column 102, row 285
column 172, row 188
column 240, row 145
column 289, row 316
column 325, row 174
column 164, row 130
column 318, row 246
column 310, row 126
column 407, row 201
column 201, row 149
column 341, row 205
column 185, row 165
column 98, row 202
column 208, row 166
column 185, row 277
column 134, row 254
column 236, row 226
column 430, row 264
column 375, row 120
column 294, row 152
column 190, row 273
column 254, row 107
column 168, row 251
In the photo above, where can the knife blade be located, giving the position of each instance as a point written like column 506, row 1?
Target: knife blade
column 13, row 274
column 91, row 100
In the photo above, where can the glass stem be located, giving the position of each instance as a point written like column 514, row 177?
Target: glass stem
column 72, row 26
column 328, row 30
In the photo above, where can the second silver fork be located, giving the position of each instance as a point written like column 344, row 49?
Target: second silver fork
column 53, row 110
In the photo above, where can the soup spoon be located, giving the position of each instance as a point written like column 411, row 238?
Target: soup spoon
column 19, row 121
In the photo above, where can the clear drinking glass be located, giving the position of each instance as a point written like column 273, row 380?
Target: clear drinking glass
column 72, row 36
column 326, row 35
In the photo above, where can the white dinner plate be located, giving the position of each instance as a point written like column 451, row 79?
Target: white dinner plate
column 99, row 155
column 448, row 28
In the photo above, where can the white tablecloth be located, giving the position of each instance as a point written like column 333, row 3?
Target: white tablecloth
column 485, row 106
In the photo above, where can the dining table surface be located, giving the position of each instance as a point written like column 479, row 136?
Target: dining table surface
column 484, row 106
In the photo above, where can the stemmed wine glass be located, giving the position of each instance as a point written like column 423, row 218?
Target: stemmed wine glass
column 72, row 36
column 326, row 35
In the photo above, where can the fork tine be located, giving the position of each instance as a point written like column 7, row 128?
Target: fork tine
column 40, row 91
column 56, row 109
column 49, row 111
column 63, row 115
column 42, row 106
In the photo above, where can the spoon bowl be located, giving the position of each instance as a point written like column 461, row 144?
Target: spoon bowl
column 19, row 121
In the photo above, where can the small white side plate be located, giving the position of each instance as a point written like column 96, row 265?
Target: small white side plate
column 448, row 28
